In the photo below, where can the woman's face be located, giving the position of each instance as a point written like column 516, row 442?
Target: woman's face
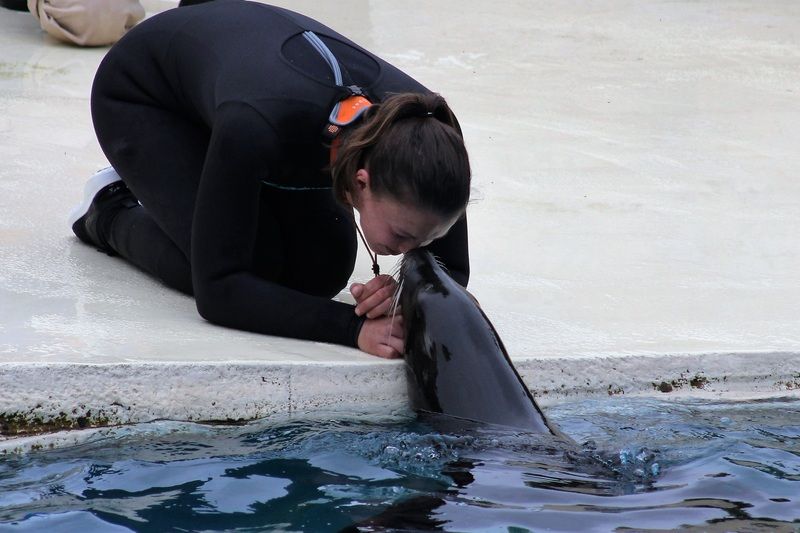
column 392, row 227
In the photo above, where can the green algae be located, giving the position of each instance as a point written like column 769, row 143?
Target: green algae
column 698, row 381
column 18, row 424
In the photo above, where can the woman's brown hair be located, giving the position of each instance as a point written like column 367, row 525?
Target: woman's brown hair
column 412, row 147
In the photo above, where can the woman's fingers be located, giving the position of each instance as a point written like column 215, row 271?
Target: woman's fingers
column 395, row 334
column 397, row 327
column 374, row 297
column 392, row 326
column 397, row 344
column 380, row 309
column 393, row 346
column 361, row 291
column 384, row 337
column 380, row 281
column 356, row 289
column 387, row 352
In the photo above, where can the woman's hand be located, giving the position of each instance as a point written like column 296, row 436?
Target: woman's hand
column 374, row 298
column 384, row 337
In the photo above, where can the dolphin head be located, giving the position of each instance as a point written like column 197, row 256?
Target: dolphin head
column 457, row 364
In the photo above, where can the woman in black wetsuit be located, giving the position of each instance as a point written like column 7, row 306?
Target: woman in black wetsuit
column 223, row 186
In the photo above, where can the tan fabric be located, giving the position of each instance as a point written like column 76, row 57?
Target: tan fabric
column 87, row 22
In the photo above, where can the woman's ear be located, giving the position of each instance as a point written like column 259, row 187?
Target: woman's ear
column 359, row 187
column 362, row 180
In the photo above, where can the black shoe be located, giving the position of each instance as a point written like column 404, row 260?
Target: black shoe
column 103, row 196
column 183, row 3
column 16, row 5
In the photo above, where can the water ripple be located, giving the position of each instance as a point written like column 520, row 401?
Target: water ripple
column 643, row 464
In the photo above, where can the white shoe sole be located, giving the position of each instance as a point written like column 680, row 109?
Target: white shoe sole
column 105, row 177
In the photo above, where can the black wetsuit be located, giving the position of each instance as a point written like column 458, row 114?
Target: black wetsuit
column 213, row 116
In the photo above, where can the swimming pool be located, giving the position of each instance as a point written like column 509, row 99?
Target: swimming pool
column 651, row 464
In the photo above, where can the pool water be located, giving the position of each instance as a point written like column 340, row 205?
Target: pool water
column 641, row 464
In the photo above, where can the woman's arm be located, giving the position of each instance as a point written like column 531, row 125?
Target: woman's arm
column 224, row 234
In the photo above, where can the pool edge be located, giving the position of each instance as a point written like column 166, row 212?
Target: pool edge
column 48, row 398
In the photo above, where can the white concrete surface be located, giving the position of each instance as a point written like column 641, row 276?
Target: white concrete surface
column 636, row 217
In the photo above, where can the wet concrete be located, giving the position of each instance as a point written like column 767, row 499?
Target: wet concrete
column 636, row 216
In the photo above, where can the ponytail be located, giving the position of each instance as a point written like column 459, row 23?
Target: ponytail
column 412, row 147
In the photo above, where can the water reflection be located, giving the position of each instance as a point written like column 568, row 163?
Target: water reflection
column 330, row 475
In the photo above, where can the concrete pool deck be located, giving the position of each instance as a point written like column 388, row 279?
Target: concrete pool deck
column 635, row 228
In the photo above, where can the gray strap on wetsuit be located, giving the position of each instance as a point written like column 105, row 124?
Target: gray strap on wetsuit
column 326, row 54
column 333, row 63
column 329, row 58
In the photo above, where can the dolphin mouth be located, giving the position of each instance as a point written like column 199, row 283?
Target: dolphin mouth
column 419, row 274
column 415, row 263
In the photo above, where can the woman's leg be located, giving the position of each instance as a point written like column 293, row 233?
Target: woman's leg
column 159, row 155
column 134, row 235
column 161, row 166
column 306, row 240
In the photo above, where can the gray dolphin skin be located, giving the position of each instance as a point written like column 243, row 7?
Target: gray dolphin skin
column 457, row 364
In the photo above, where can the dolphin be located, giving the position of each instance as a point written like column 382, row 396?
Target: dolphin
column 456, row 363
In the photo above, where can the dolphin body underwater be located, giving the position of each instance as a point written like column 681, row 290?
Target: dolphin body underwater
column 457, row 364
